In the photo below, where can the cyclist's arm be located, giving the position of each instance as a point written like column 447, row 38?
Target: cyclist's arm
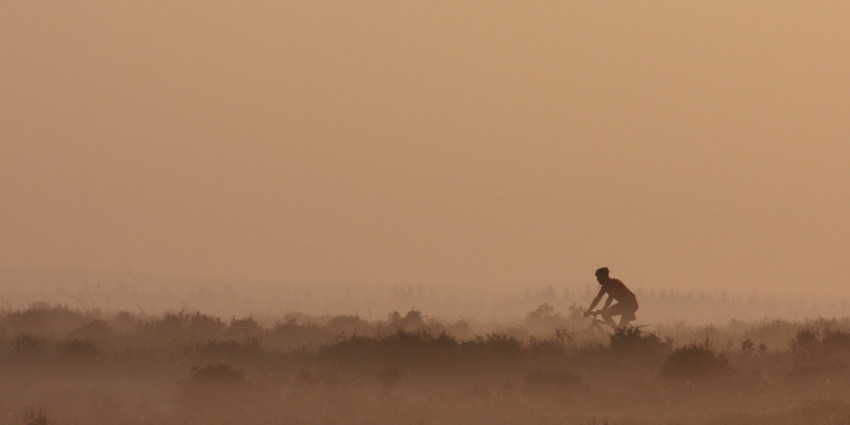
column 608, row 302
column 595, row 301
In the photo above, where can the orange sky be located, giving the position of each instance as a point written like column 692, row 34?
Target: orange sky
column 700, row 146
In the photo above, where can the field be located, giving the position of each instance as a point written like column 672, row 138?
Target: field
column 62, row 365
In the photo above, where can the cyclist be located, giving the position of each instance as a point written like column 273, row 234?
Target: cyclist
column 626, row 305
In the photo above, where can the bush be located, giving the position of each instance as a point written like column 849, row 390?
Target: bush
column 249, row 346
column 389, row 378
column 352, row 325
column 206, row 326
column 35, row 417
column 552, row 382
column 696, row 362
column 78, row 349
column 216, row 375
column 44, row 319
column 170, row 326
column 245, row 327
column 397, row 348
column 27, row 343
column 95, row 329
column 294, row 335
column 546, row 349
column 214, row 387
column 631, row 340
column 820, row 353
column 413, row 321
column 495, row 348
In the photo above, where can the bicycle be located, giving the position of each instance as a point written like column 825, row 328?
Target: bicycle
column 602, row 327
column 597, row 326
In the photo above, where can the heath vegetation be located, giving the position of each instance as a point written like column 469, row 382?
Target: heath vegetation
column 61, row 365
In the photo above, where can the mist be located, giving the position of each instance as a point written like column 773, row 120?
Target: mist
column 698, row 147
column 271, row 301
column 391, row 212
column 78, row 362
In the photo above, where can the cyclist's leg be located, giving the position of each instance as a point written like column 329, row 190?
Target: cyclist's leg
column 609, row 312
column 627, row 311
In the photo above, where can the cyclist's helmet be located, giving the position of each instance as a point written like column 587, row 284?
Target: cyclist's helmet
column 602, row 271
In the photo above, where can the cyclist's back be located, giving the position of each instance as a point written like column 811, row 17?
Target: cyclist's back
column 618, row 290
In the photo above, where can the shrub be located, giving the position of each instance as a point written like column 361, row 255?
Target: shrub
column 305, row 380
column 632, row 341
column 543, row 319
column 27, row 343
column 246, row 326
column 216, row 389
column 169, row 326
column 820, row 353
column 78, row 349
column 460, row 329
column 773, row 334
column 412, row 321
column 695, row 362
column 216, row 375
column 494, row 347
column 549, row 348
column 292, row 334
column 95, row 329
column 389, row 378
column 230, row 348
column 124, row 321
column 552, row 382
column 205, row 325
column 44, row 319
column 35, row 417
column 352, row 325
column 417, row 351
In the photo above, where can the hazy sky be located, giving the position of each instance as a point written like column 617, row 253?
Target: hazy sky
column 702, row 146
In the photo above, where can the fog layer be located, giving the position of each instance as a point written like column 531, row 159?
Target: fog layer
column 697, row 146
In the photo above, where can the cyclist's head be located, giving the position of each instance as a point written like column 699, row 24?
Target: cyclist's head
column 602, row 274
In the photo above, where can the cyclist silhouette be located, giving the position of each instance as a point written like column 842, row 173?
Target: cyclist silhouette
column 626, row 305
